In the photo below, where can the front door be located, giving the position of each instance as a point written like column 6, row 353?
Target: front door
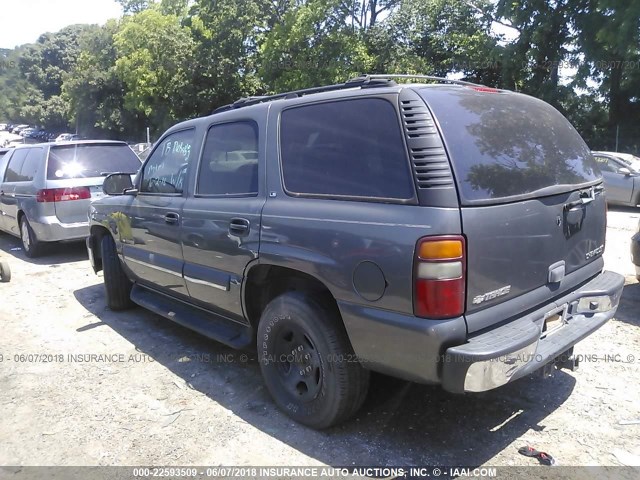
column 221, row 221
column 619, row 187
column 151, row 246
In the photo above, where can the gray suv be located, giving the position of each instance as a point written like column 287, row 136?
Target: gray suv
column 45, row 189
column 445, row 233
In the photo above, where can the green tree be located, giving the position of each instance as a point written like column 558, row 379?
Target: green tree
column 313, row 45
column 436, row 37
column 95, row 93
column 155, row 63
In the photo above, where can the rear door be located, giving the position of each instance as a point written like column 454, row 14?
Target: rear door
column 221, row 221
column 531, row 199
column 75, row 173
column 9, row 195
column 4, row 160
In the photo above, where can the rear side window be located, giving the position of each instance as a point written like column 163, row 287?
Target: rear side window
column 90, row 160
column 229, row 163
column 348, row 148
column 506, row 145
column 31, row 164
column 15, row 165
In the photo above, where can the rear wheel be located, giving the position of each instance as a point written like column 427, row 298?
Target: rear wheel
column 117, row 285
column 307, row 361
column 31, row 246
column 5, row 271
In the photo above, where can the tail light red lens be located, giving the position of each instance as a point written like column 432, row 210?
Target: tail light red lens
column 63, row 194
column 439, row 277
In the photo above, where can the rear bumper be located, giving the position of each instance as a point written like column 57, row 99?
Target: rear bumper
column 441, row 352
column 505, row 353
column 50, row 229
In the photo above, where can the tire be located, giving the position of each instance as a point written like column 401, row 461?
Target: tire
column 307, row 361
column 5, row 271
column 31, row 246
column 117, row 285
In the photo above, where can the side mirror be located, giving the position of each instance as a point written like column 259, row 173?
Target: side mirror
column 118, row 184
column 624, row 171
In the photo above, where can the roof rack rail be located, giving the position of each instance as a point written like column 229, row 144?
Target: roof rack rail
column 362, row 81
column 380, row 76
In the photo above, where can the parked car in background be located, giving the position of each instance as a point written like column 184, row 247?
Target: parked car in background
column 45, row 189
column 18, row 128
column 436, row 233
column 67, row 137
column 621, row 173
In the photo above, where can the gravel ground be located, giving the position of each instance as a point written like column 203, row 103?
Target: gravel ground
column 154, row 393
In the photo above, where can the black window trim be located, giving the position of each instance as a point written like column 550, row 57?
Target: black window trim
column 142, row 167
column 201, row 156
column 356, row 198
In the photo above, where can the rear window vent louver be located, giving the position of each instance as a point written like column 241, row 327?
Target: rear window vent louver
column 428, row 156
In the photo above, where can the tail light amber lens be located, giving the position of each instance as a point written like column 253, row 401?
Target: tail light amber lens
column 439, row 277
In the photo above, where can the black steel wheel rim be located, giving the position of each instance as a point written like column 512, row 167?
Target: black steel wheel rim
column 298, row 363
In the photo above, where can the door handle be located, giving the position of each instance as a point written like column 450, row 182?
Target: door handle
column 239, row 227
column 172, row 218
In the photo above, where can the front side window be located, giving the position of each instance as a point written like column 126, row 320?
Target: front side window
column 345, row 148
column 166, row 168
column 229, row 163
column 607, row 164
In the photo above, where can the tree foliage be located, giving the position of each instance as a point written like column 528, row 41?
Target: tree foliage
column 168, row 60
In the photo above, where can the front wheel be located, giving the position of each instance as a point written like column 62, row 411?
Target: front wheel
column 117, row 285
column 307, row 361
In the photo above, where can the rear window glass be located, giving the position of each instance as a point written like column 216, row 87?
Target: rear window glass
column 346, row 148
column 90, row 160
column 507, row 145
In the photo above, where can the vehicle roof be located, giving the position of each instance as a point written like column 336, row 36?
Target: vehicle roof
column 616, row 154
column 356, row 91
column 73, row 142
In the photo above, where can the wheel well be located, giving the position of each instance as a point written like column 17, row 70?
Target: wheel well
column 266, row 282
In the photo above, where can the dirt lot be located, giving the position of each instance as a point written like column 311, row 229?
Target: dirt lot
column 155, row 393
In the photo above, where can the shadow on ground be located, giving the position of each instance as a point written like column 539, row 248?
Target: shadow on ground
column 401, row 423
column 55, row 253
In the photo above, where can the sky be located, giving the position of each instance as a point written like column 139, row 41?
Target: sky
column 22, row 23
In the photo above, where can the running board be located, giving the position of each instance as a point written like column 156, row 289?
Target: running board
column 205, row 323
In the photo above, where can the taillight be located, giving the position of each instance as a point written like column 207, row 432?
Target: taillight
column 439, row 277
column 63, row 194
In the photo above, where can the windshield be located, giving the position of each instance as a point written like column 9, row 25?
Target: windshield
column 504, row 145
column 90, row 160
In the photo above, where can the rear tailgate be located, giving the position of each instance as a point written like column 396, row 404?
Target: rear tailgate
column 76, row 171
column 532, row 205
